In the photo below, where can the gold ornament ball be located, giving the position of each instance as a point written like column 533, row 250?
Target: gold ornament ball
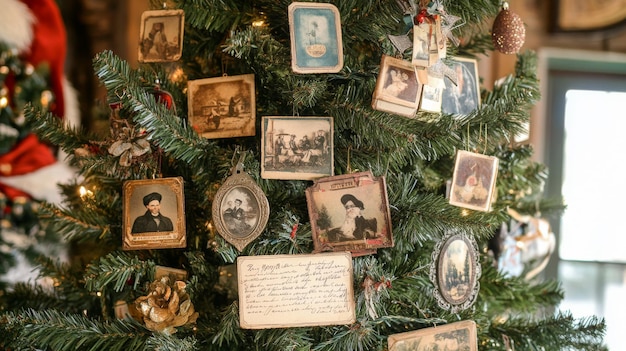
column 508, row 32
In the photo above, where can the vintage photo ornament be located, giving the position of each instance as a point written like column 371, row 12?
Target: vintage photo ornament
column 240, row 208
column 455, row 271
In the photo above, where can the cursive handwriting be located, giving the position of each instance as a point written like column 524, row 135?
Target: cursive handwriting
column 295, row 289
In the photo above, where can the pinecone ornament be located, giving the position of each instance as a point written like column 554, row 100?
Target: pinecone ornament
column 166, row 306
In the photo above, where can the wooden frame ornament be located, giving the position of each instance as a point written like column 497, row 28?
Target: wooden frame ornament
column 454, row 336
column 474, row 180
column 297, row 147
column 223, row 107
column 161, row 36
column 455, row 271
column 350, row 213
column 398, row 89
column 140, row 199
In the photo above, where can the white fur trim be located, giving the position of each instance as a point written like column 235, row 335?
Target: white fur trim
column 16, row 24
column 33, row 183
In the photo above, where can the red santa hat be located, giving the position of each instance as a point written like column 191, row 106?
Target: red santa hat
column 36, row 30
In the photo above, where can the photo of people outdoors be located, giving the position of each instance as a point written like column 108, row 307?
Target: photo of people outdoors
column 297, row 147
column 222, row 107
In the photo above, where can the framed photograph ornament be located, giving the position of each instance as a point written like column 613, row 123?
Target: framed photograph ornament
column 350, row 212
column 455, row 271
column 474, row 180
column 454, row 336
column 222, row 107
column 315, row 33
column 398, row 89
column 240, row 208
column 154, row 214
column 161, row 36
column 297, row 147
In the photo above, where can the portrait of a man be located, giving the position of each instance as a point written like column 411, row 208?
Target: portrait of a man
column 355, row 226
column 152, row 220
column 154, row 215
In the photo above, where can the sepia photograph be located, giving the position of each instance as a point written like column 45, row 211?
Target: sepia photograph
column 350, row 213
column 222, row 107
column 397, row 87
column 474, row 181
column 455, row 271
column 463, row 97
column 297, row 147
column 316, row 42
column 458, row 336
column 161, row 36
column 154, row 215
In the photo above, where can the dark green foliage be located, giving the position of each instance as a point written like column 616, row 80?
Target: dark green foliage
column 416, row 156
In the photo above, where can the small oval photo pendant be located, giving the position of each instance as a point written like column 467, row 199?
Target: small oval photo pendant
column 240, row 209
column 455, row 272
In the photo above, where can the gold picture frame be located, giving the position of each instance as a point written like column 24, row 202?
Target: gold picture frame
column 222, row 107
column 140, row 230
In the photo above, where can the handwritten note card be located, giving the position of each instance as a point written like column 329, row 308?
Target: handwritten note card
column 281, row 291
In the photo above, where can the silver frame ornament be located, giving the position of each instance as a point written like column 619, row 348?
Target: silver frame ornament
column 455, row 291
column 242, row 224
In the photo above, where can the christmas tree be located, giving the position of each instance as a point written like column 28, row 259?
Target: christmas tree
column 113, row 294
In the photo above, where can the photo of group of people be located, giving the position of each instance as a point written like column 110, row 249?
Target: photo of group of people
column 458, row 336
column 297, row 147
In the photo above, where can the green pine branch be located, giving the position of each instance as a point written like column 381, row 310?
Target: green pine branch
column 50, row 329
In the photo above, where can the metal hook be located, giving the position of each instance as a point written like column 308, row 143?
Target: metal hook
column 238, row 168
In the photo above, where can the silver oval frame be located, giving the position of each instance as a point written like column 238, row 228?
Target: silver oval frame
column 456, row 288
column 240, row 185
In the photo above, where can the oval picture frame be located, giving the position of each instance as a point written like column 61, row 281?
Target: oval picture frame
column 455, row 271
column 240, row 225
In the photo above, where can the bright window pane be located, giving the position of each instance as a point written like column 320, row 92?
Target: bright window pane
column 594, row 168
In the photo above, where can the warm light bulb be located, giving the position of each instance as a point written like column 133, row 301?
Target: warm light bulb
column 4, row 102
column 258, row 23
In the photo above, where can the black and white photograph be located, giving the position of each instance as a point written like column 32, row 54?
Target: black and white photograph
column 222, row 107
column 458, row 336
column 474, row 180
column 154, row 214
column 463, row 97
column 161, row 36
column 297, row 147
column 350, row 213
column 240, row 210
